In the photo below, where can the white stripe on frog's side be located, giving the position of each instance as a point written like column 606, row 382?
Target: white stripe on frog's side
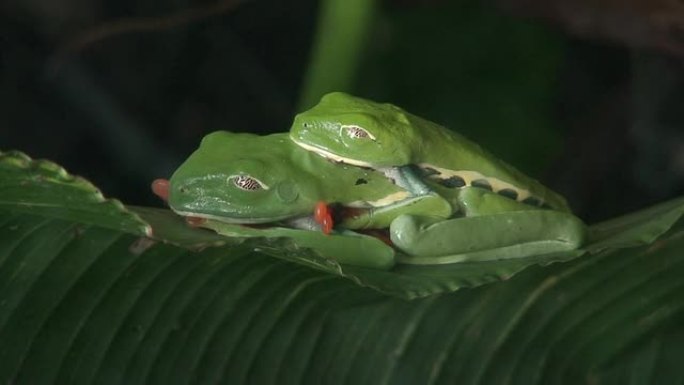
column 469, row 177
column 331, row 156
column 388, row 200
column 236, row 220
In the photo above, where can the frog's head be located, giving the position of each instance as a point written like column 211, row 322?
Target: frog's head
column 241, row 178
column 356, row 131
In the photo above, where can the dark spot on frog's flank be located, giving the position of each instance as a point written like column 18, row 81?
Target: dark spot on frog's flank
column 546, row 206
column 427, row 171
column 360, row 181
column 508, row 193
column 452, row 182
column 481, row 183
column 418, row 171
column 532, row 201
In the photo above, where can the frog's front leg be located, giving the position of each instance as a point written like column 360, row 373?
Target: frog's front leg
column 382, row 216
column 498, row 228
column 346, row 247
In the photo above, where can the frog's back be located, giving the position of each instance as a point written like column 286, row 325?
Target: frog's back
column 453, row 161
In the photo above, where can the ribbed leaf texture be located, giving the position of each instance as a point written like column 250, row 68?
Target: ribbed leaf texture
column 83, row 302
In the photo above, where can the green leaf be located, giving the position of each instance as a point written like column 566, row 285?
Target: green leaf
column 40, row 186
column 641, row 227
column 83, row 302
column 414, row 281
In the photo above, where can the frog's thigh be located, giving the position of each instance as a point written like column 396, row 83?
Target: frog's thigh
column 487, row 237
column 473, row 201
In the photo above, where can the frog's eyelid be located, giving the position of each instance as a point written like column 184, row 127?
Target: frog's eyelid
column 356, row 132
column 247, row 182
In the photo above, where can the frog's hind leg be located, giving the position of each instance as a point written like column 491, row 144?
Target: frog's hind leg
column 497, row 236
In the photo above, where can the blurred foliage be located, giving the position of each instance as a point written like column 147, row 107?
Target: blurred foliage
column 341, row 37
column 487, row 76
column 588, row 118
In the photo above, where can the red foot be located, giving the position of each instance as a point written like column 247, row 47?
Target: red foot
column 323, row 216
column 160, row 188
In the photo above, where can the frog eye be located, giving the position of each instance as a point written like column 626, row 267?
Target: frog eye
column 356, row 132
column 247, row 183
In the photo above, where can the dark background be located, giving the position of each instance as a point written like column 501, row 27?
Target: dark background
column 587, row 96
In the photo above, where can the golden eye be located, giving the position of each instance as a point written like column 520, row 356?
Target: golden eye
column 356, row 132
column 247, row 183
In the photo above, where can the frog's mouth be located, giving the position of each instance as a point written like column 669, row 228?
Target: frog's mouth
column 251, row 222
column 337, row 214
column 323, row 219
column 160, row 187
